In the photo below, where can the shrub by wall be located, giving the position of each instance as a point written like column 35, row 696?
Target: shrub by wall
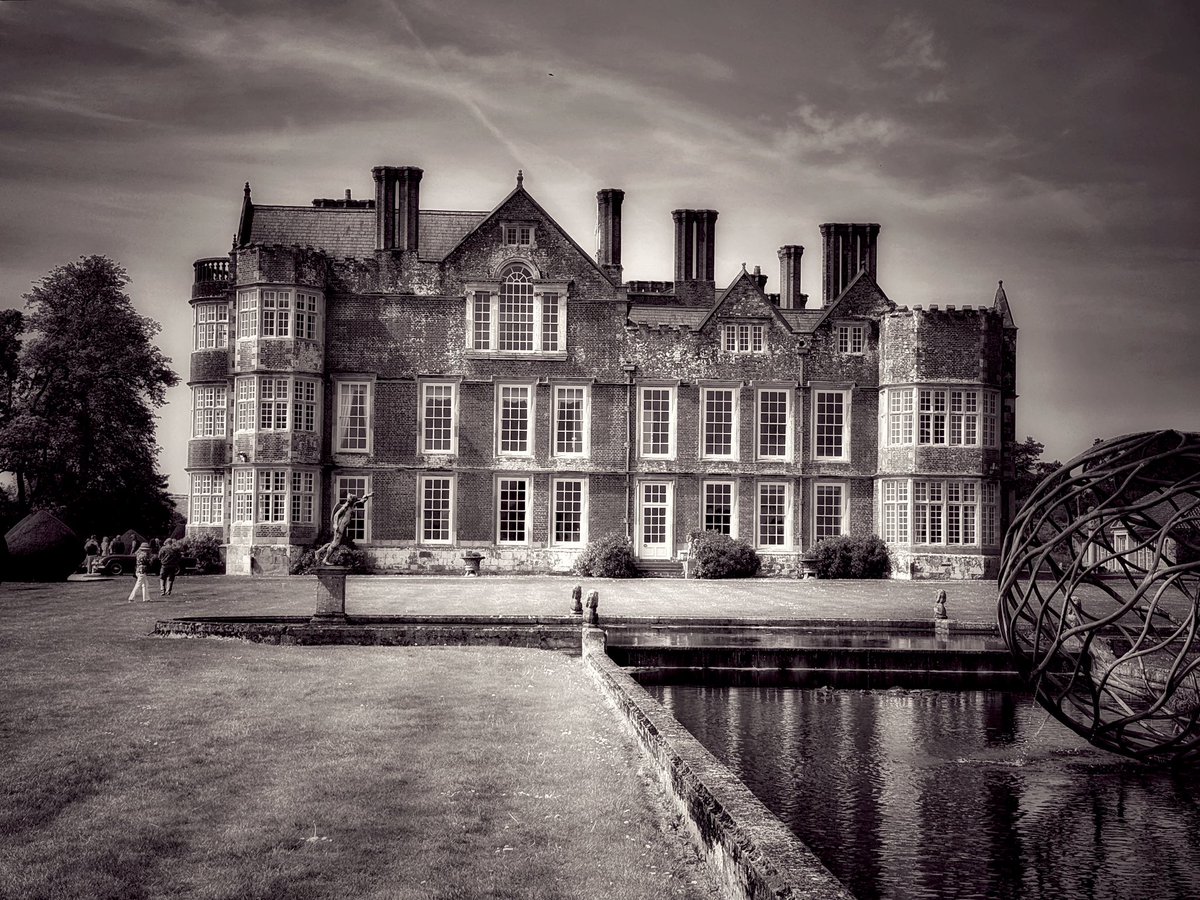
column 715, row 555
column 343, row 555
column 610, row 556
column 206, row 548
column 851, row 557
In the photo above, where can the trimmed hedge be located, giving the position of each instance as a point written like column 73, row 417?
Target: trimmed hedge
column 610, row 556
column 716, row 555
column 849, row 557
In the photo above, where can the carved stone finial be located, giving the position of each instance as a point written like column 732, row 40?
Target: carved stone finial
column 939, row 606
column 520, row 177
column 246, row 191
column 577, row 596
column 593, row 601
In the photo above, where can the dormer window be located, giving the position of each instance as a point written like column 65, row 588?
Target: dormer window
column 744, row 337
column 518, row 234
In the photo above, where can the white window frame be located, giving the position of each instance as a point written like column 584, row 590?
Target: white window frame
column 585, row 424
column 847, row 404
column 309, row 316
column 423, row 419
column 246, row 403
column 210, row 409
column 275, row 390
column 247, row 314
column 362, row 513
column 488, row 297
column 730, row 483
column 734, row 424
column 340, row 424
column 303, row 503
column 519, row 234
column 895, row 510
column 210, row 326
column 207, row 504
column 499, row 488
column 582, row 481
column 843, row 508
column 452, row 520
column 272, row 489
column 789, row 424
column 303, row 404
column 530, row 390
column 243, row 496
column 672, row 423
column 744, row 337
column 851, row 338
column 788, row 515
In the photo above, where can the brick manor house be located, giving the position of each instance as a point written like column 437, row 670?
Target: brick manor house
column 495, row 388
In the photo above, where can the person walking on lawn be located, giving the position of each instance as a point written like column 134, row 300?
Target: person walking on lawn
column 168, row 566
column 142, row 568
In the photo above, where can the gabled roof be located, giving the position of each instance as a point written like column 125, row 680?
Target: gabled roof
column 828, row 311
column 745, row 276
column 519, row 190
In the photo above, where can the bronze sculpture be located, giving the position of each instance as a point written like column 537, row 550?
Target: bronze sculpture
column 1099, row 594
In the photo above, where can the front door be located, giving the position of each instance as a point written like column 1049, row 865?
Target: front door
column 656, row 520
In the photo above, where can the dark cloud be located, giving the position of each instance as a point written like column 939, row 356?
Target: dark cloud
column 1052, row 145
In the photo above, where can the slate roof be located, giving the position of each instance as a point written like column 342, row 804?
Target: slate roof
column 653, row 316
column 803, row 320
column 351, row 232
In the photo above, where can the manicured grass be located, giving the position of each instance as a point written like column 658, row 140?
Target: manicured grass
column 144, row 767
column 973, row 601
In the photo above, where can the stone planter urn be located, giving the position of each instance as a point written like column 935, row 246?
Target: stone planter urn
column 471, row 560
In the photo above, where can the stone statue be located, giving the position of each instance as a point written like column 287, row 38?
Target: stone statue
column 339, row 521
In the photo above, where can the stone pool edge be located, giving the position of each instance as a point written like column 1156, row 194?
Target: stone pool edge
column 752, row 853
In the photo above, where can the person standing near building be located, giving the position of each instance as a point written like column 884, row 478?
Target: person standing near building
column 105, row 546
column 91, row 549
column 168, row 566
column 142, row 564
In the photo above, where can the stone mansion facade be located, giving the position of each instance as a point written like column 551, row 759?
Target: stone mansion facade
column 495, row 388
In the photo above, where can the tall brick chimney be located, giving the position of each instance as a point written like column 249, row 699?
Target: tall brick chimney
column 848, row 248
column 608, row 226
column 790, row 297
column 397, row 207
column 695, row 244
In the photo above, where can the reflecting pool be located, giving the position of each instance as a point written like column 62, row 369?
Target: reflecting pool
column 929, row 794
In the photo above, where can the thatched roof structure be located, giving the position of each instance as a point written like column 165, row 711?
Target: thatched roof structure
column 41, row 547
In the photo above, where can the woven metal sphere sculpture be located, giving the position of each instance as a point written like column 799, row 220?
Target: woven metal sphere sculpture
column 1099, row 594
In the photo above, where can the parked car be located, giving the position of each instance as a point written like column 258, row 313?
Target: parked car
column 126, row 564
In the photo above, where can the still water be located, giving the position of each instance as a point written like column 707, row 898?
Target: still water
column 927, row 794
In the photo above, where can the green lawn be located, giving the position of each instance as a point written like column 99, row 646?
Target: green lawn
column 143, row 767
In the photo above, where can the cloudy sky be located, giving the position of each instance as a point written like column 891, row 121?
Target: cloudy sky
column 1054, row 146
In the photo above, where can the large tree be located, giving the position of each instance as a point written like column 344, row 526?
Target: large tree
column 79, row 432
column 1029, row 467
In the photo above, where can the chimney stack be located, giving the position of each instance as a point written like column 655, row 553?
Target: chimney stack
column 695, row 244
column 759, row 278
column 848, row 248
column 608, row 224
column 790, row 297
column 397, row 207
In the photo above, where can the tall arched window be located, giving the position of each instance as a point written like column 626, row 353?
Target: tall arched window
column 518, row 313
column 515, row 310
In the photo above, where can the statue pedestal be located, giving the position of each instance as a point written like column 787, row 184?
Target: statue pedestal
column 331, row 595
